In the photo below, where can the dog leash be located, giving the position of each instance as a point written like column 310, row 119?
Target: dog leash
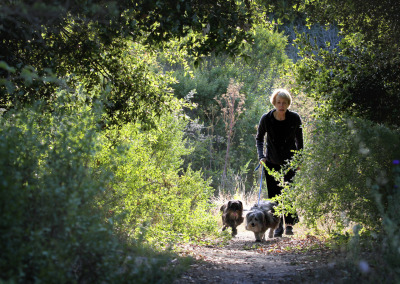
column 259, row 192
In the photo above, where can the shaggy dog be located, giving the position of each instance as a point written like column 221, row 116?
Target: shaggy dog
column 232, row 215
column 261, row 218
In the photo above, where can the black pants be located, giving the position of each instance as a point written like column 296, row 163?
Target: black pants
column 274, row 189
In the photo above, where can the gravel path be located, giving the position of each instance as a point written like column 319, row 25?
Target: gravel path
column 242, row 260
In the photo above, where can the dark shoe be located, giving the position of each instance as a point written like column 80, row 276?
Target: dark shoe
column 289, row 230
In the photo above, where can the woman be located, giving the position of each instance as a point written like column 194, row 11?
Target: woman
column 284, row 134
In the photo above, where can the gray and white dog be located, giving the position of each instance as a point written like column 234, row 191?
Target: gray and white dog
column 260, row 218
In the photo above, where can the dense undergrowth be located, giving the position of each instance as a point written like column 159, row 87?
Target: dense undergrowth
column 347, row 187
column 80, row 205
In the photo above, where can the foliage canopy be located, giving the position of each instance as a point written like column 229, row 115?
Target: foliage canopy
column 50, row 44
column 360, row 76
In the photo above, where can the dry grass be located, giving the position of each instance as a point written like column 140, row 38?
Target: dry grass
column 248, row 199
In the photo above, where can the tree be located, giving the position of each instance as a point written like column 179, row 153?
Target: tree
column 258, row 73
column 361, row 77
column 87, row 44
column 231, row 105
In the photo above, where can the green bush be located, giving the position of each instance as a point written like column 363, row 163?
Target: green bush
column 349, row 176
column 51, row 229
column 388, row 200
column 345, row 164
column 160, row 202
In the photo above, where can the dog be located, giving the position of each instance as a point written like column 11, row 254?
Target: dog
column 232, row 215
column 260, row 218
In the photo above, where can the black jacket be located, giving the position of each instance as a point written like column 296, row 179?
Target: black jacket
column 282, row 137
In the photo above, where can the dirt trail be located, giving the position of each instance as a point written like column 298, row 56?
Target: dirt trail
column 243, row 260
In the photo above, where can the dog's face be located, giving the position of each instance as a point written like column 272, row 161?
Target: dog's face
column 232, row 210
column 255, row 221
column 235, row 205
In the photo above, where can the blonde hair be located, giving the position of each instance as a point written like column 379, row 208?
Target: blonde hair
column 283, row 93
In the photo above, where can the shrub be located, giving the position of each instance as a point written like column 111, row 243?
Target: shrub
column 341, row 162
column 161, row 203
column 349, row 175
column 387, row 197
column 51, row 229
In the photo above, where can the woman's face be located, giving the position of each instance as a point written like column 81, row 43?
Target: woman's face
column 281, row 104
